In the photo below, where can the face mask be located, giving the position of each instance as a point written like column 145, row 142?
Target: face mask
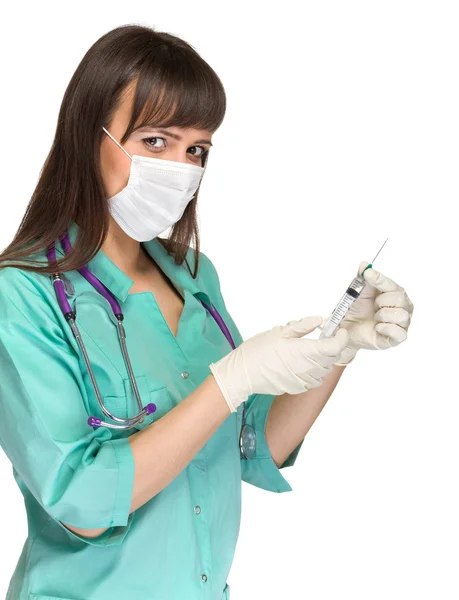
column 155, row 196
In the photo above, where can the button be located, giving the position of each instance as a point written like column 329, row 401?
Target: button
column 197, row 510
column 204, row 578
column 185, row 374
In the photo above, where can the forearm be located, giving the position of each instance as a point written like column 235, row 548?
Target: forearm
column 291, row 416
column 164, row 448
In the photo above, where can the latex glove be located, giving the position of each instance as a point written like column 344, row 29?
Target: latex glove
column 379, row 318
column 278, row 361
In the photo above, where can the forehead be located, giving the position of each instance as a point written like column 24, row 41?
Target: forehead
column 145, row 107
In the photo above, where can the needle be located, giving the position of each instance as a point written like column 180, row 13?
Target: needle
column 371, row 264
column 379, row 251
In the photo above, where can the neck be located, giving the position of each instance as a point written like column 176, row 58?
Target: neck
column 126, row 253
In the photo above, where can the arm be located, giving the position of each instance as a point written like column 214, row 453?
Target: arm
column 291, row 416
column 164, row 448
column 88, row 533
column 87, row 480
column 197, row 417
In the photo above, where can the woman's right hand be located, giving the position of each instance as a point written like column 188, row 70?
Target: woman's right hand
column 278, row 361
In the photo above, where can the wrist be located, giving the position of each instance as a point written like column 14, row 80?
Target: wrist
column 227, row 373
column 222, row 388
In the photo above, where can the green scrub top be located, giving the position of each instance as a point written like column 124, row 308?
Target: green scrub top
column 180, row 544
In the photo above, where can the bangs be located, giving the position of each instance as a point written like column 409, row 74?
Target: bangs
column 177, row 88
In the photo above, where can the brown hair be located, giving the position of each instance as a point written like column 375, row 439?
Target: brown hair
column 174, row 86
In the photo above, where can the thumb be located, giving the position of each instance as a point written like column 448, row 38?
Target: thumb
column 334, row 345
column 296, row 329
column 362, row 266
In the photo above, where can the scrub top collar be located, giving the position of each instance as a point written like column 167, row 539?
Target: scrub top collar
column 119, row 283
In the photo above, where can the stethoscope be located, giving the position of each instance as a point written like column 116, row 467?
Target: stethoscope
column 247, row 438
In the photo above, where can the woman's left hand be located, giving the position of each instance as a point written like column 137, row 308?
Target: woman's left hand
column 379, row 318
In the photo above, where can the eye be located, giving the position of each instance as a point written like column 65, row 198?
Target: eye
column 201, row 154
column 150, row 142
column 147, row 140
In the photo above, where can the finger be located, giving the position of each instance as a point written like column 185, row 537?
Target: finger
column 332, row 346
column 298, row 328
column 327, row 370
column 362, row 265
column 298, row 383
column 395, row 299
column 395, row 334
column 380, row 281
column 343, row 336
column 312, row 381
column 391, row 300
column 321, row 372
column 400, row 316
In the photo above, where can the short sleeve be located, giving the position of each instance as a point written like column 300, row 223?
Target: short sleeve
column 80, row 476
column 261, row 470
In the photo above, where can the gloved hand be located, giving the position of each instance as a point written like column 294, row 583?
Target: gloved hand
column 379, row 318
column 278, row 361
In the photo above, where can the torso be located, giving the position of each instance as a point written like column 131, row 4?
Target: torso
column 169, row 300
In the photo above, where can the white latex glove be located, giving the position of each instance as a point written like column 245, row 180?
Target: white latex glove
column 379, row 318
column 278, row 361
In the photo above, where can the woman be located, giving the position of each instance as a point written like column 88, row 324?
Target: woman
column 147, row 508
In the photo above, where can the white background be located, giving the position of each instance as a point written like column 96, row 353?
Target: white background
column 341, row 130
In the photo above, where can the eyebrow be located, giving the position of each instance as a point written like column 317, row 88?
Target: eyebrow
column 172, row 135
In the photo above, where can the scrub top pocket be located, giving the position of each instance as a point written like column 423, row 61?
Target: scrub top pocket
column 125, row 406
column 99, row 333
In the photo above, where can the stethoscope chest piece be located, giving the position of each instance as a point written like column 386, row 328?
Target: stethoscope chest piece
column 247, row 441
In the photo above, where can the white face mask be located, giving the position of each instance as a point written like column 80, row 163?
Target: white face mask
column 155, row 196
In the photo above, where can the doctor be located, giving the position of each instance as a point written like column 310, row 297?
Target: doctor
column 150, row 512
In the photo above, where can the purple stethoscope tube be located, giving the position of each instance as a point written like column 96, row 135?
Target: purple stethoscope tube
column 70, row 316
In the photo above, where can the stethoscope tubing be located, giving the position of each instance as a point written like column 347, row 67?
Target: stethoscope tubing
column 70, row 316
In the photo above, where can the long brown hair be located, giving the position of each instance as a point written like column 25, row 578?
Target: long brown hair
column 174, row 86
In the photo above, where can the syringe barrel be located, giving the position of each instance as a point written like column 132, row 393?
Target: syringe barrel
column 352, row 293
column 357, row 285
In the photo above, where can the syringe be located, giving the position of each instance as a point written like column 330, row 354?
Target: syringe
column 352, row 293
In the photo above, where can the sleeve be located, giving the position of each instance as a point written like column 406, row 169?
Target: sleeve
column 261, row 470
column 80, row 476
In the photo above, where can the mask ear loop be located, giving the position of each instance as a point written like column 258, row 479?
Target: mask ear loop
column 117, row 143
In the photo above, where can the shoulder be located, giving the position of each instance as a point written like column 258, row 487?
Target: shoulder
column 29, row 310
column 14, row 280
column 23, row 289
